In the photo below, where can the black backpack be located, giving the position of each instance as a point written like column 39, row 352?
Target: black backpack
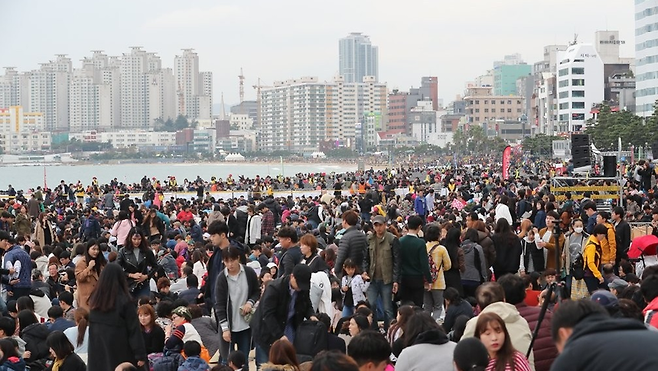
column 578, row 267
column 310, row 339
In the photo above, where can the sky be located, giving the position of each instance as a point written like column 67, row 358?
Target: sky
column 274, row 40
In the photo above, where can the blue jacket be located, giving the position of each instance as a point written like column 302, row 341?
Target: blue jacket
column 17, row 253
column 419, row 206
column 194, row 364
column 60, row 324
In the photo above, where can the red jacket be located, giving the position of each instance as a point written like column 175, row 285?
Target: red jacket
column 651, row 313
column 544, row 349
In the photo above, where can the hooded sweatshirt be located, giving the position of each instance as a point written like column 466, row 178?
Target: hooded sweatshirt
column 431, row 351
column 517, row 327
column 473, row 273
column 591, row 346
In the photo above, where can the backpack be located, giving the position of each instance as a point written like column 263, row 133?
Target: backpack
column 434, row 271
column 168, row 361
column 578, row 267
column 311, row 339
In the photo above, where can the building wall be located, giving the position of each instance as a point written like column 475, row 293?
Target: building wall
column 15, row 120
column 12, row 143
column 505, row 77
column 357, row 58
column 580, row 85
column 646, row 56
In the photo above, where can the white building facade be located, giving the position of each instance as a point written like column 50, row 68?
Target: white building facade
column 15, row 120
column 580, row 86
column 357, row 58
column 646, row 56
column 193, row 88
column 14, row 143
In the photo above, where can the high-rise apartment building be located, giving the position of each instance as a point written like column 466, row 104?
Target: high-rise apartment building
column 506, row 72
column 297, row 115
column 49, row 92
column 646, row 56
column 357, row 58
column 134, row 92
column 580, row 86
column 14, row 89
column 194, row 88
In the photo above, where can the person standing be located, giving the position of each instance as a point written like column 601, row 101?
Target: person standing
column 592, row 257
column 254, row 226
column 237, row 292
column 434, row 297
column 381, row 265
column 114, row 332
column 547, row 241
column 292, row 254
column 18, row 264
column 283, row 306
column 87, row 272
column 267, row 220
column 420, row 205
column 622, row 232
column 414, row 265
column 609, row 245
column 353, row 244
column 138, row 262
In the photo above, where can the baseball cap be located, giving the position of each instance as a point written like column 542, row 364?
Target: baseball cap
column 302, row 274
column 605, row 298
column 618, row 284
column 271, row 264
column 379, row 220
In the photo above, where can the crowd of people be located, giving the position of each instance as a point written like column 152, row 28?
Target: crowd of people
column 409, row 269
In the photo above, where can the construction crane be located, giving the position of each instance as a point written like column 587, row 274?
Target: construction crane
column 223, row 114
column 241, row 77
column 181, row 100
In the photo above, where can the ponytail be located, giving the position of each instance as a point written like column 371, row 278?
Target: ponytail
column 81, row 317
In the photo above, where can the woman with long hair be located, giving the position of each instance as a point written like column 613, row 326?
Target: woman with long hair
column 491, row 330
column 10, row 360
column 154, row 336
column 138, row 263
column 451, row 243
column 153, row 226
column 61, row 350
column 43, row 231
column 79, row 334
column 396, row 331
column 34, row 334
column 114, row 333
column 475, row 271
column 426, row 346
column 508, row 249
column 282, row 357
column 199, row 260
column 87, row 272
column 433, row 298
column 121, row 228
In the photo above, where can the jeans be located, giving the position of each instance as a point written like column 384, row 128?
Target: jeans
column 379, row 289
column 347, row 311
column 241, row 339
column 434, row 303
column 144, row 291
column 262, row 356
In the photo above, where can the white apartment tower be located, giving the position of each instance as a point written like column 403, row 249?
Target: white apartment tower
column 646, row 56
column 580, row 86
column 193, row 88
column 14, row 89
column 49, row 92
column 134, row 92
column 293, row 115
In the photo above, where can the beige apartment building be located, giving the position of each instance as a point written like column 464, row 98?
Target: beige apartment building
column 482, row 107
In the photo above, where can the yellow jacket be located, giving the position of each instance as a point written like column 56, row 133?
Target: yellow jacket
column 609, row 246
column 592, row 257
column 440, row 256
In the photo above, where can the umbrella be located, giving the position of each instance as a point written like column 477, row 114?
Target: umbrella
column 643, row 245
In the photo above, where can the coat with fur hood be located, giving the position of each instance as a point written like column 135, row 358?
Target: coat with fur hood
column 517, row 327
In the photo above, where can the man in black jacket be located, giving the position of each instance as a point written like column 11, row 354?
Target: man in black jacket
column 585, row 336
column 622, row 232
column 284, row 305
column 353, row 244
column 292, row 254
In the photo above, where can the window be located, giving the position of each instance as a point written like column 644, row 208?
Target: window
column 564, row 117
column 477, row 110
column 578, row 82
column 564, row 94
column 563, row 83
column 477, row 102
column 578, row 105
column 502, row 102
column 578, row 93
column 486, row 110
column 563, row 72
column 578, row 71
column 486, row 101
column 564, row 105
column 578, row 116
column 493, row 110
column 509, row 110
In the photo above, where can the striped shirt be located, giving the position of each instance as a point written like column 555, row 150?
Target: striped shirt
column 520, row 363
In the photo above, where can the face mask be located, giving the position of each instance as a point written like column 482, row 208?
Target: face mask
column 578, row 230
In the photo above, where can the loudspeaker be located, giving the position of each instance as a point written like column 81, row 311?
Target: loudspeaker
column 610, row 166
column 579, row 141
column 654, row 150
column 581, row 162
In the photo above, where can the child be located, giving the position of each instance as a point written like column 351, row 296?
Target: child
column 491, row 330
column 193, row 362
column 236, row 360
column 353, row 287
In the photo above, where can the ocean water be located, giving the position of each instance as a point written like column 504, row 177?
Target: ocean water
column 25, row 177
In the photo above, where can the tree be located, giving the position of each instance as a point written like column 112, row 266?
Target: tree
column 609, row 126
column 540, row 145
